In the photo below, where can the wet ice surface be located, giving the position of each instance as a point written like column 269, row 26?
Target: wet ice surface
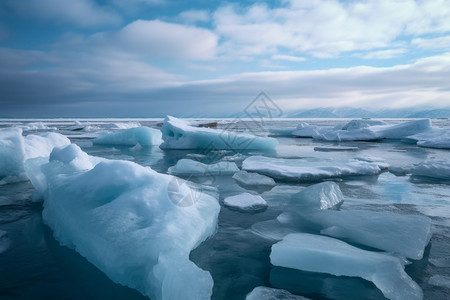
column 34, row 265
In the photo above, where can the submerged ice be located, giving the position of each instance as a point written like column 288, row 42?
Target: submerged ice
column 121, row 217
column 314, row 253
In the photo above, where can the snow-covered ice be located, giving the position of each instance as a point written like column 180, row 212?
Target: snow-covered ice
column 145, row 136
column 322, row 254
column 247, row 178
column 433, row 138
column 266, row 293
column 191, row 167
column 305, row 130
column 178, row 134
column 121, row 217
column 308, row 169
column 245, row 202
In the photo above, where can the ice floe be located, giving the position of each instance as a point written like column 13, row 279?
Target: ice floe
column 404, row 235
column 309, row 169
column 433, row 138
column 195, row 168
column 178, row 134
column 125, row 219
column 245, row 202
column 246, row 178
column 305, row 130
column 145, row 136
column 322, row 254
column 324, row 195
column 266, row 293
column 432, row 168
column 15, row 149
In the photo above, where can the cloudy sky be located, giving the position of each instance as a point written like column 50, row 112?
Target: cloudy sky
column 148, row 58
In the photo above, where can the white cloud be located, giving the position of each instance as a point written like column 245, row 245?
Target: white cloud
column 287, row 57
column 326, row 28
column 84, row 13
column 384, row 54
column 442, row 42
column 161, row 39
column 194, row 16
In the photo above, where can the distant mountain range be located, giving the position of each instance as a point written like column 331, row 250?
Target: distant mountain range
column 348, row 112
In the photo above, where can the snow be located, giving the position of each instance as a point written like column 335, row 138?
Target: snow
column 177, row 134
column 324, row 195
column 143, row 135
column 124, row 219
column 246, row 178
column 405, row 235
column 315, row 253
column 266, row 293
column 15, row 149
column 433, row 168
column 195, row 168
column 433, row 138
column 245, row 202
column 309, row 169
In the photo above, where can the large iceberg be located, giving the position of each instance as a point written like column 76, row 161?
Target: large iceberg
column 15, row 149
column 195, row 168
column 309, row 169
column 145, row 136
column 127, row 220
column 315, row 253
column 177, row 134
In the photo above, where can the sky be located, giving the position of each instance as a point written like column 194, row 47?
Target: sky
column 150, row 58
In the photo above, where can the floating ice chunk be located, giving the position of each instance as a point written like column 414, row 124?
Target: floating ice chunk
column 324, row 195
column 305, row 130
column 125, row 219
column 266, row 293
column 315, row 253
column 177, row 134
column 143, row 135
column 72, row 155
column 4, row 241
column 195, row 168
column 123, row 125
column 440, row 280
column 433, row 168
column 367, row 130
column 406, row 235
column 246, row 202
column 433, row 138
column 15, row 149
column 282, row 131
column 335, row 148
column 247, row 178
column 307, row 169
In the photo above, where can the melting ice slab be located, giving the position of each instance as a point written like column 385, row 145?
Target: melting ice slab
column 177, row 134
column 309, row 169
column 245, row 202
column 315, row 253
column 143, row 135
column 126, row 220
column 266, row 293
column 247, row 178
column 195, row 168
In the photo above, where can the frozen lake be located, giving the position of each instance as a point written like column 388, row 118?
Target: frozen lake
column 33, row 265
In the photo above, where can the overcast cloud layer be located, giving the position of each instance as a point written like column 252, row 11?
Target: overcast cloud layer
column 155, row 57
